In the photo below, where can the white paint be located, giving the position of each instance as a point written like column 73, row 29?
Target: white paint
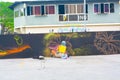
column 61, row 29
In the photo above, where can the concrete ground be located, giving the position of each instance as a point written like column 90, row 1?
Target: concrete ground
column 100, row 67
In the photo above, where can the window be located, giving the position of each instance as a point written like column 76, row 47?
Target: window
column 30, row 10
column 104, row 8
column 86, row 8
column 50, row 10
column 96, row 8
column 111, row 8
column 71, row 12
column 81, row 17
column 73, row 18
column 22, row 12
column 80, row 8
column 19, row 13
column 63, row 17
column 16, row 14
column 72, row 9
column 37, row 10
column 40, row 10
column 61, row 9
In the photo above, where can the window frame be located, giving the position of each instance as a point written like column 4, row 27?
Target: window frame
column 67, row 16
column 43, row 10
column 19, row 13
column 102, row 8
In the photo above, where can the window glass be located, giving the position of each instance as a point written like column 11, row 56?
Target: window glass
column 51, row 10
column 32, row 10
column 96, row 8
column 102, row 8
column 28, row 10
column 81, row 17
column 61, row 9
column 106, row 8
column 111, row 8
column 47, row 9
column 73, row 17
column 72, row 12
column 42, row 10
column 63, row 17
column 66, row 9
column 72, row 9
column 80, row 8
column 16, row 13
column 22, row 12
column 60, row 17
column 37, row 10
column 86, row 8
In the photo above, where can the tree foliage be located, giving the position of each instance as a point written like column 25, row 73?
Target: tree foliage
column 6, row 17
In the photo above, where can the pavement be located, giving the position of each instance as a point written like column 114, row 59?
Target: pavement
column 97, row 67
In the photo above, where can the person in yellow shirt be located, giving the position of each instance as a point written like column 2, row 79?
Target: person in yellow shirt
column 62, row 50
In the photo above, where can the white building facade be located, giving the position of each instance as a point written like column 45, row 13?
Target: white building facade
column 61, row 16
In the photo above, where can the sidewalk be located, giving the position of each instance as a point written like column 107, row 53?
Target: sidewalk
column 100, row 67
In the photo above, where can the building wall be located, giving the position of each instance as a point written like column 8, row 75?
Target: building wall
column 54, row 18
column 19, row 21
column 104, row 18
column 31, row 22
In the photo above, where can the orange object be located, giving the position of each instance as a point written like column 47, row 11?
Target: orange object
column 53, row 52
column 14, row 50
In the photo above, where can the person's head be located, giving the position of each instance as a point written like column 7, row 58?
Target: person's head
column 63, row 43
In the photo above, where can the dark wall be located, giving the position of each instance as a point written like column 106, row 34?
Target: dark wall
column 88, row 43
column 8, row 42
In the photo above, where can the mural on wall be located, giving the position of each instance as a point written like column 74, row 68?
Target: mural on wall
column 73, row 42
column 59, row 44
column 107, row 43
column 59, row 50
column 20, row 47
column 53, row 40
column 84, row 43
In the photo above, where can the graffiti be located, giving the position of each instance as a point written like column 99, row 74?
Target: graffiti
column 2, row 52
column 59, row 50
column 73, row 29
column 14, row 50
column 77, row 43
column 18, row 40
column 107, row 43
column 53, row 40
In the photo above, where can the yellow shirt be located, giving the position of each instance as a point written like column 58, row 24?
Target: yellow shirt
column 61, row 49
